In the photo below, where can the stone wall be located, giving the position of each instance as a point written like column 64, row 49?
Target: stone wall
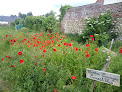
column 73, row 20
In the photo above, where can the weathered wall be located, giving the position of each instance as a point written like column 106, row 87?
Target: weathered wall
column 73, row 20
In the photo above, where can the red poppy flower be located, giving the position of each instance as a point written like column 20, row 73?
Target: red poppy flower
column 92, row 39
column 87, row 48
column 12, row 43
column 87, row 45
column 58, row 44
column 55, row 90
column 44, row 50
column 43, row 56
column 96, row 50
column 19, row 53
column 6, row 35
column 35, row 56
column 76, row 49
column 91, row 42
column 79, row 49
column 20, row 61
column 91, row 35
column 12, row 65
column 87, row 55
column 44, row 69
column 14, row 40
column 9, row 57
column 5, row 56
column 65, row 44
column 73, row 77
column 54, row 50
column 85, row 51
column 10, row 40
column 2, row 59
column 70, row 44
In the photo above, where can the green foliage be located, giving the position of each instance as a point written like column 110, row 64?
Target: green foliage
column 63, row 11
column 34, row 22
column 100, row 26
column 12, row 24
column 17, row 21
column 22, row 15
column 50, row 13
column 76, row 37
column 48, row 23
column 29, row 14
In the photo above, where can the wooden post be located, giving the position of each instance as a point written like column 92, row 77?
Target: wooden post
column 104, row 69
column 111, row 44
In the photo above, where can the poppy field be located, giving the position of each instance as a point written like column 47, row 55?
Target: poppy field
column 51, row 62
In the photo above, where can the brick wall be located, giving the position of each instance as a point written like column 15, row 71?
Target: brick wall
column 73, row 20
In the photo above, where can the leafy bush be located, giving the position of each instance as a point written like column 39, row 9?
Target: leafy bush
column 12, row 24
column 34, row 22
column 100, row 26
column 48, row 23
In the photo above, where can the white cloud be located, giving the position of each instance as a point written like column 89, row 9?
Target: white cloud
column 38, row 7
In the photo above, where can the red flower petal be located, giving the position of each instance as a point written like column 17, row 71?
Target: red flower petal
column 43, row 56
column 44, row 69
column 35, row 56
column 55, row 90
column 87, row 55
column 96, row 50
column 65, row 44
column 91, row 42
column 92, row 39
column 87, row 45
column 85, row 51
column 91, row 35
column 2, row 59
column 44, row 50
column 73, row 77
column 70, row 44
column 54, row 50
column 20, row 61
column 9, row 57
column 58, row 44
column 12, row 65
column 19, row 53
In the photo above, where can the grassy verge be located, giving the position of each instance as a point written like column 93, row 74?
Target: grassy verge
column 40, row 62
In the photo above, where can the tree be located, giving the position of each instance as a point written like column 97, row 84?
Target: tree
column 48, row 23
column 63, row 11
column 50, row 13
column 17, row 21
column 29, row 14
column 22, row 15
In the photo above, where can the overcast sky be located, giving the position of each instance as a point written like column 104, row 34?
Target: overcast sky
column 37, row 7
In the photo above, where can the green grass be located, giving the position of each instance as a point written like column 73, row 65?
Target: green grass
column 60, row 65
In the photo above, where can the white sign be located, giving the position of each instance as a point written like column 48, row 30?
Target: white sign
column 106, row 77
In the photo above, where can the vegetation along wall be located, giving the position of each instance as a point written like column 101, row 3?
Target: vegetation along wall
column 73, row 20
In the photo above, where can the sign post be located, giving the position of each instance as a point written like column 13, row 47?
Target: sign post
column 102, row 76
column 111, row 44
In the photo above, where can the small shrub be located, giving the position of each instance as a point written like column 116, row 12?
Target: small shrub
column 100, row 26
